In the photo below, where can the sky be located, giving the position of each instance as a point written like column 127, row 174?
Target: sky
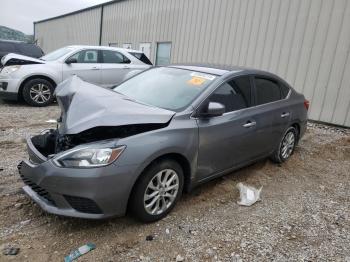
column 20, row 14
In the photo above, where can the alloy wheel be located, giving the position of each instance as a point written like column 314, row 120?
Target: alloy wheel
column 288, row 145
column 161, row 192
column 40, row 93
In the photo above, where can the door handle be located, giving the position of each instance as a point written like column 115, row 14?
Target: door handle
column 249, row 124
column 126, row 67
column 95, row 68
column 283, row 115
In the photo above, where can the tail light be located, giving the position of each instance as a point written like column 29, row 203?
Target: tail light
column 306, row 104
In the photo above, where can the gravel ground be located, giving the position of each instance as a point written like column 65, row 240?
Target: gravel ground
column 304, row 214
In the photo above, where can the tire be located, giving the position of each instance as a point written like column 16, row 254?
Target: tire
column 288, row 143
column 38, row 92
column 148, row 185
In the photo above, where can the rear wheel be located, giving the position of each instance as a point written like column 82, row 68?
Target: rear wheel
column 286, row 146
column 38, row 92
column 157, row 191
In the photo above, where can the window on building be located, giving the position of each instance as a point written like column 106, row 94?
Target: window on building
column 113, row 57
column 163, row 53
column 234, row 94
column 127, row 45
column 267, row 91
column 86, row 56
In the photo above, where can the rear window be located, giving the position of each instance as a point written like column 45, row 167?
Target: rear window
column 7, row 47
column 142, row 57
column 29, row 50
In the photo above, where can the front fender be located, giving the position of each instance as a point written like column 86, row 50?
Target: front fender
column 180, row 137
column 44, row 70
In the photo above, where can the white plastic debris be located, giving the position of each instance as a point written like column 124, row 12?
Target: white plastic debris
column 51, row 121
column 248, row 195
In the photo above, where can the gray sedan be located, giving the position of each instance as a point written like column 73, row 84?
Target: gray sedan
column 139, row 146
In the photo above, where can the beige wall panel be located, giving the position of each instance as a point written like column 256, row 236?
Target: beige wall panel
column 80, row 28
column 307, row 42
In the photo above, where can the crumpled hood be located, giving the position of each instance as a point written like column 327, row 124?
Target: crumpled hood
column 15, row 59
column 85, row 106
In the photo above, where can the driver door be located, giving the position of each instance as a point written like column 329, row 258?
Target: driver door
column 87, row 66
column 228, row 140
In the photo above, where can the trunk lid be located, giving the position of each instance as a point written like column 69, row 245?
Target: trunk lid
column 85, row 106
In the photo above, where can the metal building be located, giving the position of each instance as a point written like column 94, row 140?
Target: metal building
column 307, row 42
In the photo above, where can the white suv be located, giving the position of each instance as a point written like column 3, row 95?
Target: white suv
column 35, row 80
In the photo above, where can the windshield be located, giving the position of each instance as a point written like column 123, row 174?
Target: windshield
column 57, row 54
column 166, row 87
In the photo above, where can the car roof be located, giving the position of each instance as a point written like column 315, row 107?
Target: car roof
column 13, row 41
column 220, row 70
column 104, row 48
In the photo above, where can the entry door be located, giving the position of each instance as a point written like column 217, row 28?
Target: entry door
column 228, row 140
column 146, row 49
column 87, row 67
column 163, row 53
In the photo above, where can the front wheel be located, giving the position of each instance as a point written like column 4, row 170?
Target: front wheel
column 157, row 191
column 286, row 146
column 38, row 92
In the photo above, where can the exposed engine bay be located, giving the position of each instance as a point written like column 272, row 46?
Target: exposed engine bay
column 90, row 113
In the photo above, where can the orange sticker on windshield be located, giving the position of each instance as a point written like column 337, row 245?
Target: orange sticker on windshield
column 196, row 81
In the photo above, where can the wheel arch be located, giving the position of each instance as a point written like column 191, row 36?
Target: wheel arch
column 47, row 78
column 179, row 158
column 296, row 125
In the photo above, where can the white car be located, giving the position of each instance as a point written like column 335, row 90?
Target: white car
column 35, row 80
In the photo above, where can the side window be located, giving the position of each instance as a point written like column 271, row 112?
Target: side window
column 284, row 90
column 86, row 56
column 113, row 57
column 234, row 94
column 266, row 91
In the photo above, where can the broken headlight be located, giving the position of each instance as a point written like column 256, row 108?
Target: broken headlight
column 10, row 69
column 88, row 157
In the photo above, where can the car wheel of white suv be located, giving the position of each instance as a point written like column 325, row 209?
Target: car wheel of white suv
column 38, row 92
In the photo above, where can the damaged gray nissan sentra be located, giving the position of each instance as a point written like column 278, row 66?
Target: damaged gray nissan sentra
column 139, row 146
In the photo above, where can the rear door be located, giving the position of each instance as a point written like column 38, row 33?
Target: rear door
column 228, row 140
column 87, row 66
column 272, row 113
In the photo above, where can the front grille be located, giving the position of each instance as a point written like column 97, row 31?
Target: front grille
column 83, row 205
column 37, row 189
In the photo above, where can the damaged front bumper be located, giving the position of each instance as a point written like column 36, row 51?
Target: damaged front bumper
column 92, row 193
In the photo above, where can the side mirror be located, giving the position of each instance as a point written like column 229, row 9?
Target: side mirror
column 212, row 109
column 71, row 60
